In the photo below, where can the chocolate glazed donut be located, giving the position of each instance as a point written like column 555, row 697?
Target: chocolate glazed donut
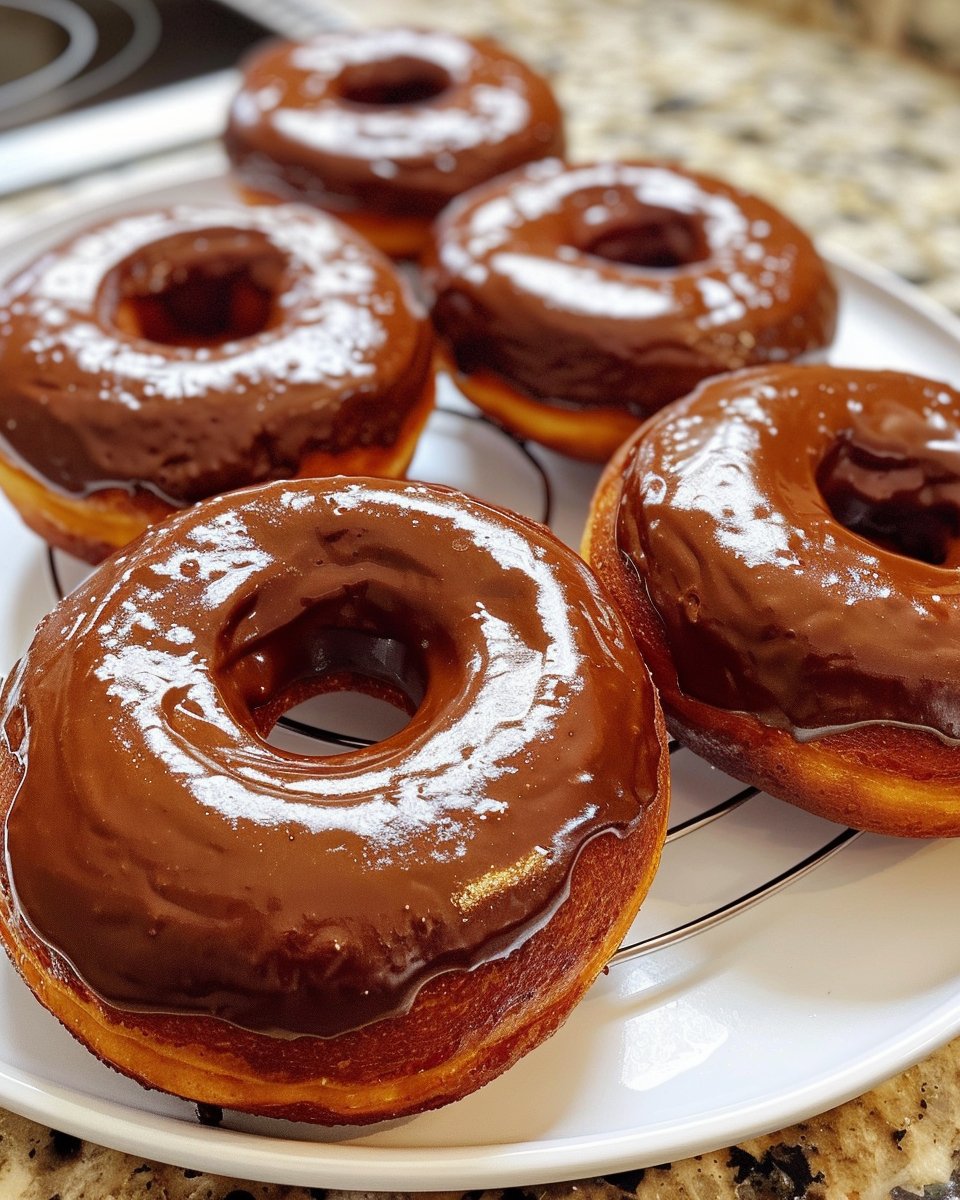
column 165, row 356
column 384, row 127
column 785, row 544
column 348, row 938
column 572, row 301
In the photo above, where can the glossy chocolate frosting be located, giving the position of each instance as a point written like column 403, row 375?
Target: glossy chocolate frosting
column 194, row 350
column 395, row 121
column 179, row 862
column 622, row 284
column 798, row 532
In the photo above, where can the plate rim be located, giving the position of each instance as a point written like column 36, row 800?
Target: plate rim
column 351, row 1166
column 255, row 1157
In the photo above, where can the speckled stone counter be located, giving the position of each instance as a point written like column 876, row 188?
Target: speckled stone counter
column 899, row 1142
column 864, row 150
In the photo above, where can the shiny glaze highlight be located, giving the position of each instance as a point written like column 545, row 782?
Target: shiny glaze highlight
column 770, row 603
column 622, row 284
column 342, row 359
column 180, row 862
column 296, row 132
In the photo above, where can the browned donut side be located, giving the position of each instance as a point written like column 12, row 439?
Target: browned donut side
column 463, row 1029
column 357, row 939
column 574, row 300
column 161, row 357
column 885, row 779
column 384, row 127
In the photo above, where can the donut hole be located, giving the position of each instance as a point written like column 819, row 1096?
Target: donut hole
column 392, row 82
column 205, row 300
column 357, row 685
column 905, row 504
column 336, row 721
column 647, row 236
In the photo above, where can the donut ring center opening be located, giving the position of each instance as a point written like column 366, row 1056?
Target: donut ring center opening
column 208, row 292
column 643, row 235
column 308, row 658
column 902, row 502
column 392, row 82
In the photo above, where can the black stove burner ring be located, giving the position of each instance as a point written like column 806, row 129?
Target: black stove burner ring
column 67, row 74
column 81, row 33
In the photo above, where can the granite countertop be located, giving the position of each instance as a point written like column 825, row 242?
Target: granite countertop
column 861, row 148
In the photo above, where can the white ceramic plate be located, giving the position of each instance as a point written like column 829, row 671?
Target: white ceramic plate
column 810, row 998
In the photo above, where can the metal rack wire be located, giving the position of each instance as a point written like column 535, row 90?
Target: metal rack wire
column 631, row 951
column 337, row 740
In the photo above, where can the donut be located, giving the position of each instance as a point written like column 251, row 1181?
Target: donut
column 384, row 127
column 161, row 357
column 346, row 939
column 573, row 301
column 784, row 544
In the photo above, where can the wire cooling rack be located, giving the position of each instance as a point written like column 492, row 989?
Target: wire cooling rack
column 322, row 739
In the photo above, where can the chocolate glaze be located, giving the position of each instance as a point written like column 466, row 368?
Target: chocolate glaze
column 736, row 509
column 283, row 333
column 622, row 284
column 180, row 862
column 393, row 121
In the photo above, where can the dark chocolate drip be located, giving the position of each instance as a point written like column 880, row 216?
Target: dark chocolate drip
column 392, row 122
column 796, row 530
column 332, row 737
column 903, row 503
column 622, row 284
column 196, row 868
column 191, row 351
